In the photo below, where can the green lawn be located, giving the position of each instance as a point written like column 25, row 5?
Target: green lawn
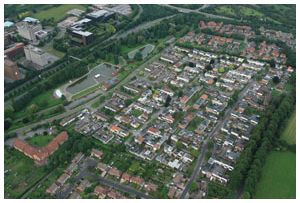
column 246, row 11
column 226, row 10
column 136, row 113
column 40, row 140
column 58, row 13
column 278, row 179
column 55, row 52
column 44, row 100
column 22, row 173
column 289, row 134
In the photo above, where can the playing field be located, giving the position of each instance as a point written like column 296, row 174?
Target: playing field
column 58, row 13
column 278, row 179
column 289, row 134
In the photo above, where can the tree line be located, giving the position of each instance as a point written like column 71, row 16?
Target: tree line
column 71, row 71
column 264, row 138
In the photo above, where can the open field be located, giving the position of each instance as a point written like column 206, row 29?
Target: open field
column 225, row 10
column 58, row 13
column 20, row 173
column 289, row 134
column 278, row 179
column 43, row 101
column 250, row 12
column 40, row 140
column 55, row 52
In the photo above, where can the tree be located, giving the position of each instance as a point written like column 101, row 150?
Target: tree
column 9, row 112
column 180, row 145
column 138, row 56
column 7, row 124
column 110, row 28
column 32, row 109
column 168, row 100
column 194, row 187
column 208, row 67
column 276, row 80
column 272, row 63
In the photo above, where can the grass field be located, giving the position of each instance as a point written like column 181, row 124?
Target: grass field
column 21, row 173
column 250, row 12
column 278, row 179
column 55, row 52
column 289, row 134
column 40, row 140
column 44, row 101
column 226, row 10
column 58, row 13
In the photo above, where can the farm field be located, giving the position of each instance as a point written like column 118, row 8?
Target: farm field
column 20, row 173
column 58, row 13
column 289, row 134
column 278, row 178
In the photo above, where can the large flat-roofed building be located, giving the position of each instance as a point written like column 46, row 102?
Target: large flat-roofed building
column 100, row 15
column 81, row 37
column 28, row 27
column 11, row 71
column 81, row 24
column 38, row 56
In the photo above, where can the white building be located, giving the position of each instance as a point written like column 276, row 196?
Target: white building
column 28, row 27
column 36, row 56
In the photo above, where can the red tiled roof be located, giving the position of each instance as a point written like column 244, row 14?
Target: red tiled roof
column 152, row 130
column 137, row 180
column 126, row 177
column 41, row 153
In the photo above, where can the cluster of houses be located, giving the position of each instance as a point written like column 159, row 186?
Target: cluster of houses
column 68, row 172
column 166, row 120
column 236, row 131
column 229, row 143
column 213, row 43
column 177, row 185
column 40, row 154
column 287, row 38
column 125, row 178
column 227, row 29
column 251, row 49
column 243, row 30
column 264, row 51
column 103, row 192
